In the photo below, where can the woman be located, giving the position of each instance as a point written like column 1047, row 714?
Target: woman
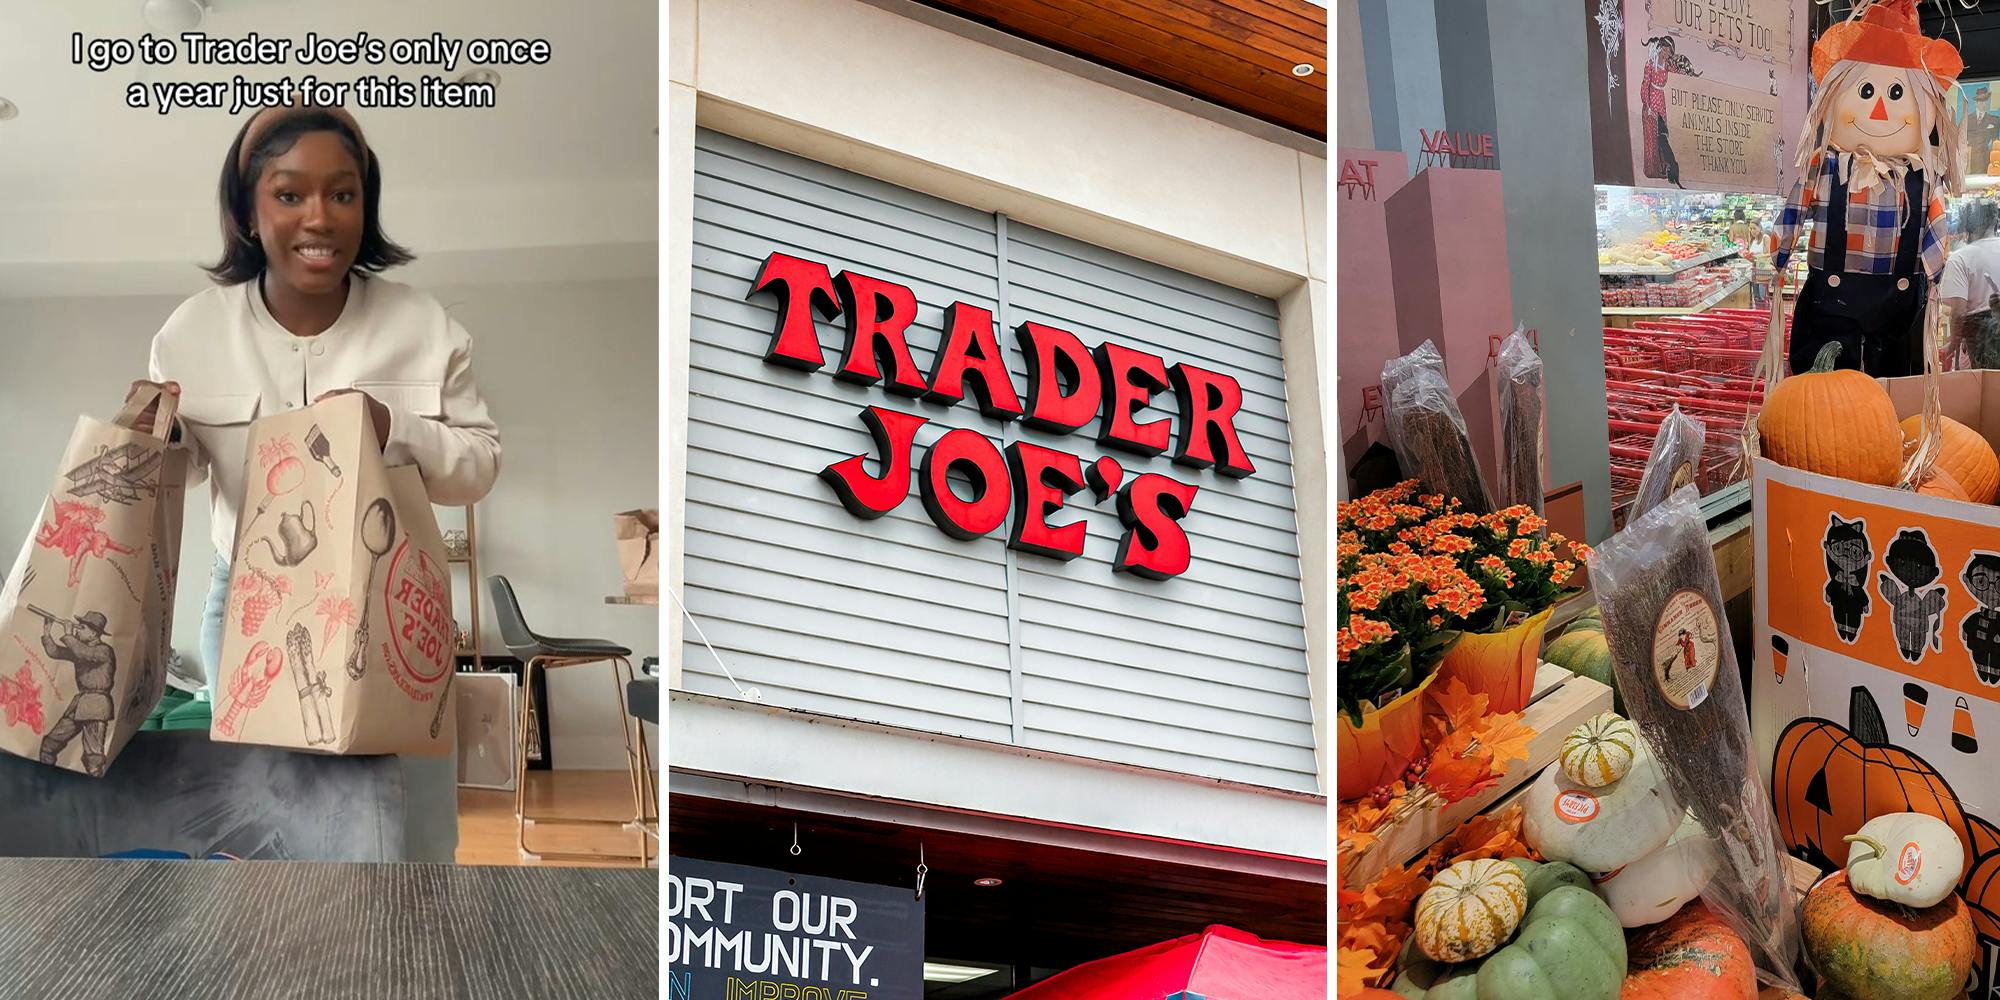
column 1659, row 155
column 1970, row 288
column 298, row 314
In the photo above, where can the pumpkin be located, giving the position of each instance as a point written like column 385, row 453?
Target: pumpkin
column 1599, row 752
column 1586, row 653
column 1568, row 948
column 1601, row 829
column 1907, row 858
column 1864, row 947
column 1543, row 876
column 1833, row 422
column 1827, row 780
column 1694, row 956
column 1656, row 886
column 1963, row 454
column 1469, row 909
column 1940, row 484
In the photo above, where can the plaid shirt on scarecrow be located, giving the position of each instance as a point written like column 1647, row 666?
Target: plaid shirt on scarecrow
column 1874, row 220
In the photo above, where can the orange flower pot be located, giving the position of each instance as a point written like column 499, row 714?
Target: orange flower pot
column 1499, row 665
column 1388, row 739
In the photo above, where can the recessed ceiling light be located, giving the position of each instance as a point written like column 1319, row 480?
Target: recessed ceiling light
column 172, row 17
column 480, row 74
column 986, row 883
column 942, row 972
column 8, row 110
column 1302, row 69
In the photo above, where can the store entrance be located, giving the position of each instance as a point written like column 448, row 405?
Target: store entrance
column 1008, row 904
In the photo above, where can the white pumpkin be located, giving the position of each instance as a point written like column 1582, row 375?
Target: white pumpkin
column 1910, row 858
column 1600, row 751
column 1656, row 886
column 1601, row 829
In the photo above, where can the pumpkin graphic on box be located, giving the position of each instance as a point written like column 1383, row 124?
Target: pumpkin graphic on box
column 1827, row 780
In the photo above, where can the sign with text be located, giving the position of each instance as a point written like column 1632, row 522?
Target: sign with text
column 740, row 933
column 1729, row 135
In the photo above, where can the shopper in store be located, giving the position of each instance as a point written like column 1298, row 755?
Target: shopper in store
column 1970, row 288
column 298, row 314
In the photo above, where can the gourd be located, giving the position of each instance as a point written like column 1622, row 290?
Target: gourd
column 1868, row 948
column 1543, row 876
column 1658, row 885
column 1568, row 948
column 1469, row 909
column 1585, row 652
column 1599, row 752
column 1940, row 484
column 1694, row 956
column 1908, row 858
column 1601, row 829
column 1963, row 454
column 1833, row 422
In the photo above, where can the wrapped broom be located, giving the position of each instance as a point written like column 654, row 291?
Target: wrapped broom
column 1676, row 668
column 1522, row 429
column 1675, row 459
column 1427, row 429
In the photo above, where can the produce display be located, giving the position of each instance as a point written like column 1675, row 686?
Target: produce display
column 1663, row 880
column 1868, row 949
column 1694, row 956
column 1602, row 828
column 1568, row 947
column 1836, row 422
column 1908, row 858
column 1688, row 288
column 1964, row 458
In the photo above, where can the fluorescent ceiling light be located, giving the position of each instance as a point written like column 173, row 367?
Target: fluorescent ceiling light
column 940, row 972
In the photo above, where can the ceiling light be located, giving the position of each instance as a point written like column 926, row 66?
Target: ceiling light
column 940, row 972
column 173, row 16
column 986, row 883
column 8, row 109
column 1302, row 69
column 482, row 74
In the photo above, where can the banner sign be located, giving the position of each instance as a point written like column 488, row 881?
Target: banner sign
column 1070, row 387
column 740, row 933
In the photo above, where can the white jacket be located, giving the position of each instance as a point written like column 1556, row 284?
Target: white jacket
column 235, row 362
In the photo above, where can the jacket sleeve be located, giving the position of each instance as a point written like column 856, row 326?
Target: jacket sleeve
column 1798, row 208
column 180, row 437
column 458, row 451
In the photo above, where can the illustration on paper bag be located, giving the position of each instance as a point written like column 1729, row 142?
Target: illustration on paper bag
column 1847, row 559
column 81, row 643
column 1916, row 604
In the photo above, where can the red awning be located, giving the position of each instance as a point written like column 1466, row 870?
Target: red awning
column 1220, row 963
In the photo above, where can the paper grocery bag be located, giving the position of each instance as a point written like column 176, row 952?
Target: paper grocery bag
column 86, row 612
column 639, row 551
column 339, row 632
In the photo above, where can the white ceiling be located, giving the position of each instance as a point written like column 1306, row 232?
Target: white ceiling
column 94, row 193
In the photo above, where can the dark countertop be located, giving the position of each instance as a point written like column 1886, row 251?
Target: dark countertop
column 267, row 930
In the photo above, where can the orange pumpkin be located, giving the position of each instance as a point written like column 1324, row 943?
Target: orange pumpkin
column 1693, row 956
column 1964, row 454
column 1827, row 780
column 1941, row 484
column 1836, row 423
column 1874, row 948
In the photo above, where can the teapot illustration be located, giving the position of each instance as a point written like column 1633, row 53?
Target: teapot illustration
column 297, row 537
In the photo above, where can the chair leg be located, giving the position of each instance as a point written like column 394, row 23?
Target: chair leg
column 521, row 757
column 621, row 672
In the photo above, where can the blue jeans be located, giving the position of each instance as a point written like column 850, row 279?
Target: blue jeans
column 430, row 784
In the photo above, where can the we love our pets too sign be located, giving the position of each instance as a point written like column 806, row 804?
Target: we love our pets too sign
column 1070, row 386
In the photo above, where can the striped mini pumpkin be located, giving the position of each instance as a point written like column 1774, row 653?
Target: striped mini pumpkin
column 1600, row 751
column 1470, row 910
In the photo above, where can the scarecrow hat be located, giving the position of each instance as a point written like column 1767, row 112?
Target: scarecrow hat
column 1886, row 33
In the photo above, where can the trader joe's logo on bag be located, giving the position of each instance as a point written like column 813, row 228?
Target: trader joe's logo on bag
column 414, row 591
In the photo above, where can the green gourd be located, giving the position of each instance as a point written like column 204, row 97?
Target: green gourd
column 1586, row 653
column 1569, row 947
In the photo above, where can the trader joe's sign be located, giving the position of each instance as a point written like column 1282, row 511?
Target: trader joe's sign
column 737, row 933
column 1070, row 386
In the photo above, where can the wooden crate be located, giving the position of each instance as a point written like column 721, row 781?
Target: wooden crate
column 1561, row 702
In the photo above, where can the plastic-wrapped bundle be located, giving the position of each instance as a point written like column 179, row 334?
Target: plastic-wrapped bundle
column 1675, row 461
column 1521, row 422
column 1427, row 430
column 1676, row 668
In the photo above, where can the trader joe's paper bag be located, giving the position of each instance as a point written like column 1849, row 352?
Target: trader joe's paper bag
column 86, row 613
column 338, row 636
column 639, row 551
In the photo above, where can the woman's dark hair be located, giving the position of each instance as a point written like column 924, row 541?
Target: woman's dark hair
column 1911, row 559
column 1981, row 217
column 243, row 256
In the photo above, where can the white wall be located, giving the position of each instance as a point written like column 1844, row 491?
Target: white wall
column 568, row 369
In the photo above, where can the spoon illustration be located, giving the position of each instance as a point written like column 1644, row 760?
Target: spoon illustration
column 378, row 529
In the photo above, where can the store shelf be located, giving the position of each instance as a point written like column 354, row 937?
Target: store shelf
column 1624, row 271
column 1703, row 306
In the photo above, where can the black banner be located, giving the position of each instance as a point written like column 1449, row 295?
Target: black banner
column 740, row 933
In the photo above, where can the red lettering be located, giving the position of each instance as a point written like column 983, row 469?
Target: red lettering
column 403, row 594
column 970, row 348
column 971, row 453
column 1055, row 356
column 1130, row 378
column 878, row 314
column 1043, row 479
column 1155, row 545
column 800, row 286
column 868, row 496
column 1209, row 402
column 409, row 626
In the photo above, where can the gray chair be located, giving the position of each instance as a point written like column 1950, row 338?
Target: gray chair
column 549, row 653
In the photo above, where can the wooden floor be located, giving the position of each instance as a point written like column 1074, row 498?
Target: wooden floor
column 486, row 820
